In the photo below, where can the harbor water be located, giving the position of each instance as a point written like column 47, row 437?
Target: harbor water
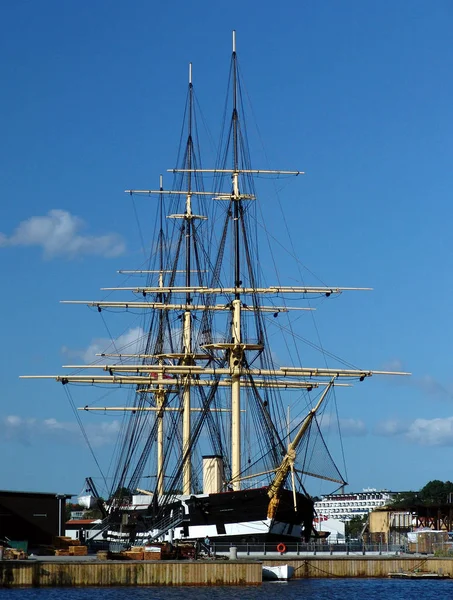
column 306, row 589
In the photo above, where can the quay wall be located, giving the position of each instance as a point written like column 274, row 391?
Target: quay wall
column 39, row 573
column 363, row 566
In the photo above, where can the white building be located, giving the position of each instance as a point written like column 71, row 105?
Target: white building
column 83, row 529
column 344, row 507
column 335, row 527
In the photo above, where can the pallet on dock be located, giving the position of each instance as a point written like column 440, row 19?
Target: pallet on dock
column 132, row 555
column 78, row 550
column 63, row 542
column 152, row 555
column 13, row 554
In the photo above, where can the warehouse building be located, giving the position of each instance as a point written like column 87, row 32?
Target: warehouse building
column 32, row 517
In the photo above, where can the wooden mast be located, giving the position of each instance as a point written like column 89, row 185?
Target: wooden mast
column 236, row 352
column 160, row 392
column 187, row 325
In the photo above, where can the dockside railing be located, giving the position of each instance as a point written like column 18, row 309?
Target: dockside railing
column 311, row 548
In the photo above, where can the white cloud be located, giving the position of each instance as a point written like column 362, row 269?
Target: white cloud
column 394, row 364
column 352, row 427
column 423, row 432
column 390, row 427
column 131, row 342
column 431, row 432
column 425, row 383
column 28, row 431
column 58, row 234
column 348, row 427
column 428, row 384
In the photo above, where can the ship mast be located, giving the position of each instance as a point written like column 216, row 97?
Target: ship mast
column 236, row 354
column 160, row 392
column 160, row 388
column 187, row 356
column 187, row 325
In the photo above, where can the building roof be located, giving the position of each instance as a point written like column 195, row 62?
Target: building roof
column 82, row 521
column 361, row 492
column 28, row 493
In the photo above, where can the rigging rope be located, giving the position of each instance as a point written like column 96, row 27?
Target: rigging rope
column 83, row 430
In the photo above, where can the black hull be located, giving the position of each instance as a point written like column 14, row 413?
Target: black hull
column 248, row 505
column 242, row 506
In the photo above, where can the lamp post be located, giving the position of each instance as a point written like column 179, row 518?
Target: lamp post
column 60, row 497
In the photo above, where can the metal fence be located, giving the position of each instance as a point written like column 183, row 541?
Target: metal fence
column 291, row 549
column 297, row 549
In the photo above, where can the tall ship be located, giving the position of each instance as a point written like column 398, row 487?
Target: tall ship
column 220, row 435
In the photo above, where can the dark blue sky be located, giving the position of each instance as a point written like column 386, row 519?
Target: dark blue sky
column 356, row 93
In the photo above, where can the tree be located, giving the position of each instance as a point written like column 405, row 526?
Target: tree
column 69, row 508
column 96, row 512
column 406, row 499
column 354, row 527
column 436, row 492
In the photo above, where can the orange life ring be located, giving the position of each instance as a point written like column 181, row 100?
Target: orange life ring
column 281, row 548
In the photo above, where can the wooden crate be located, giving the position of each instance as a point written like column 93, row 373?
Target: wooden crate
column 78, row 550
column 130, row 555
column 13, row 554
column 186, row 551
column 62, row 541
column 152, row 555
column 61, row 552
column 75, row 543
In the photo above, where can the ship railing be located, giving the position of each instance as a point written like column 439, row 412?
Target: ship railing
column 122, row 541
column 160, row 528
